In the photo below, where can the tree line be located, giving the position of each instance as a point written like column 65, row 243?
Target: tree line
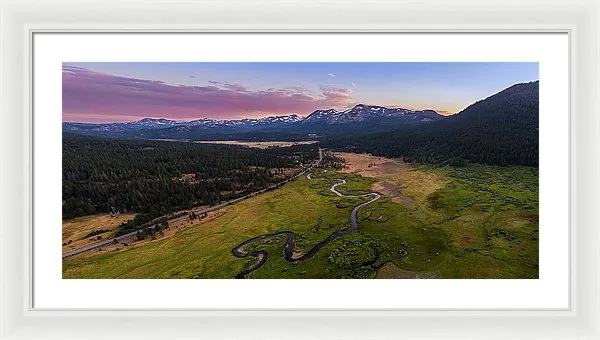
column 154, row 178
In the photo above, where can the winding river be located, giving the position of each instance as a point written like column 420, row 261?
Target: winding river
column 290, row 254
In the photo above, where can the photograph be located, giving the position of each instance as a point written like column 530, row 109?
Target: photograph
column 300, row 170
column 181, row 170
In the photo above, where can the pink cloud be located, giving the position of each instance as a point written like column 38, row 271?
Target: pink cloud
column 336, row 95
column 93, row 96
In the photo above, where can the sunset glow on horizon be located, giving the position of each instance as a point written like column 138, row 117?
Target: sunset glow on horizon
column 117, row 92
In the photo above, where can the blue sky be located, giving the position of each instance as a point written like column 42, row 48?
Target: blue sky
column 261, row 89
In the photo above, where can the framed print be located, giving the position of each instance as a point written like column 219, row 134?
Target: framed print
column 290, row 165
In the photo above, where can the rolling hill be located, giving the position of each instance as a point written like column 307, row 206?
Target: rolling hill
column 501, row 129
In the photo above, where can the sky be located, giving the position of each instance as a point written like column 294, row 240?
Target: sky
column 128, row 91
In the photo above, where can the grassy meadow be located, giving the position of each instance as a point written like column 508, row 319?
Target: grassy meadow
column 471, row 222
column 85, row 230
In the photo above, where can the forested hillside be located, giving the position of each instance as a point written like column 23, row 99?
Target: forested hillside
column 154, row 178
column 499, row 130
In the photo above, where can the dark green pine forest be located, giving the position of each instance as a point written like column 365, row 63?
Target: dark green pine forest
column 154, row 178
column 499, row 130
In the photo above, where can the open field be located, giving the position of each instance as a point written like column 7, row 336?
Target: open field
column 490, row 213
column 259, row 145
column 472, row 222
column 204, row 250
column 82, row 231
column 404, row 183
column 174, row 227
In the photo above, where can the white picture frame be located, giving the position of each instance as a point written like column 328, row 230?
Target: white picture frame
column 21, row 20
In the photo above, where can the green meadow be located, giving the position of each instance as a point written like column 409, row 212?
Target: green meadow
column 482, row 223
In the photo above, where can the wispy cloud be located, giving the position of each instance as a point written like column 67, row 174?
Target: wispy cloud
column 336, row 96
column 331, row 74
column 229, row 86
column 95, row 96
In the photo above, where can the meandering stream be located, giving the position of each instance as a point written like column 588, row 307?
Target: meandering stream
column 290, row 254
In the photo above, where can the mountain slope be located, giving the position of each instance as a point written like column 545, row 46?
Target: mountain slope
column 501, row 129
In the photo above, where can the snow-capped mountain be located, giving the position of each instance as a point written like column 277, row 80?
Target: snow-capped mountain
column 318, row 122
column 281, row 119
column 321, row 115
column 153, row 123
column 156, row 122
column 246, row 121
column 362, row 112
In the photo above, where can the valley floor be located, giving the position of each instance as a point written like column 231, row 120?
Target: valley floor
column 472, row 222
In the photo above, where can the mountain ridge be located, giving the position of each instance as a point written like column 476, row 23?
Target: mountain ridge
column 317, row 121
column 362, row 112
column 380, row 111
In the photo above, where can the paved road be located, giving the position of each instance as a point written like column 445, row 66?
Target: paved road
column 181, row 218
column 124, row 237
column 289, row 243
